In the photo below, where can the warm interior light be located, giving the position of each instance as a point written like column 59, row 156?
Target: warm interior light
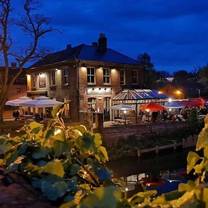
column 160, row 92
column 125, row 111
column 42, row 75
column 178, row 92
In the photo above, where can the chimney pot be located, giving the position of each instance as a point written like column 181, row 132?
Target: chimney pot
column 102, row 43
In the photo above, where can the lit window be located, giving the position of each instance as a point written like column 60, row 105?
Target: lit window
column 33, row 80
column 134, row 77
column 122, row 77
column 91, row 75
column 92, row 104
column 65, row 76
column 42, row 80
column 53, row 77
column 106, row 76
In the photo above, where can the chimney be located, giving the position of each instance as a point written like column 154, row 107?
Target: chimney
column 94, row 44
column 68, row 46
column 102, row 43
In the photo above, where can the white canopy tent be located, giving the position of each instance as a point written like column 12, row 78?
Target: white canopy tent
column 42, row 102
column 18, row 102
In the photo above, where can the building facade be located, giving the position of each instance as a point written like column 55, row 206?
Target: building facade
column 87, row 76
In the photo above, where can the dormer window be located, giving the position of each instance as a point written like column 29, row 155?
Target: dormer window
column 106, row 76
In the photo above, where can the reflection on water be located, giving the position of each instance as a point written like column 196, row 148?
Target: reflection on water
column 153, row 164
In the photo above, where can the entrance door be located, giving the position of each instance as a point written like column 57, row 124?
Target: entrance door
column 106, row 106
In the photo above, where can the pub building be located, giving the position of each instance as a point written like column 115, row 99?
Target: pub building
column 85, row 76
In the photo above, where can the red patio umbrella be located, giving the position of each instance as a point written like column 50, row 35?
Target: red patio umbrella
column 153, row 107
column 195, row 102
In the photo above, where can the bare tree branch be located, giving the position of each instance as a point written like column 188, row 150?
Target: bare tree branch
column 34, row 25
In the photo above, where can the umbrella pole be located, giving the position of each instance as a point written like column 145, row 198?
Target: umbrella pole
column 136, row 113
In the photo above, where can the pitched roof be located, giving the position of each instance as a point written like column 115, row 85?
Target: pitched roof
column 87, row 53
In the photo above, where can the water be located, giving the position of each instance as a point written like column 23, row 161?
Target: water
column 133, row 168
column 153, row 164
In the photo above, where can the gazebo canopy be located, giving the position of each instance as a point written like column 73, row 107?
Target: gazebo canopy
column 139, row 94
column 123, row 107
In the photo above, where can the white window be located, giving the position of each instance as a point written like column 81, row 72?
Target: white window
column 65, row 74
column 53, row 77
column 122, row 77
column 33, row 80
column 91, row 75
column 134, row 76
column 92, row 104
column 42, row 80
column 106, row 76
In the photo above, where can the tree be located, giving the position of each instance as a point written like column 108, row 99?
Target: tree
column 34, row 25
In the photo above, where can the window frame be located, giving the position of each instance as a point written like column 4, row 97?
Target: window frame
column 106, row 76
column 42, row 84
column 65, row 76
column 132, row 77
column 91, row 75
column 92, row 104
column 124, row 77
column 53, row 79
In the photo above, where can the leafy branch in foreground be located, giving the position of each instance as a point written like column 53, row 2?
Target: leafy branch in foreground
column 65, row 162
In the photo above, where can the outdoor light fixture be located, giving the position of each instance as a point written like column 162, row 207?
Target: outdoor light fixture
column 160, row 92
column 170, row 100
column 125, row 111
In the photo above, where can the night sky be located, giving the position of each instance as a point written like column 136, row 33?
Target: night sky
column 174, row 32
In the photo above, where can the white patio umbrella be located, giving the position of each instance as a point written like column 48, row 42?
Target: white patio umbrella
column 42, row 102
column 18, row 102
column 123, row 107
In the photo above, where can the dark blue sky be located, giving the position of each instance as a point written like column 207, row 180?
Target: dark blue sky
column 173, row 32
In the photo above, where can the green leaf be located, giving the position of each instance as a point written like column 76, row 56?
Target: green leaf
column 53, row 187
column 40, row 153
column 104, row 153
column 98, row 140
column 55, row 111
column 49, row 133
column 103, row 197
column 54, row 167
column 202, row 141
column 192, row 159
column 61, row 148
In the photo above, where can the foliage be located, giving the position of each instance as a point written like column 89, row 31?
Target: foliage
column 129, row 146
column 67, row 165
column 64, row 162
column 193, row 194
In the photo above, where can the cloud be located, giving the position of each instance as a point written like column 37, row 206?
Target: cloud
column 174, row 32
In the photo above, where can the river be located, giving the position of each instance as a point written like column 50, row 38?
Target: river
column 151, row 164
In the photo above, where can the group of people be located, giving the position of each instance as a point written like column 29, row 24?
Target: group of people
column 37, row 116
column 173, row 115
